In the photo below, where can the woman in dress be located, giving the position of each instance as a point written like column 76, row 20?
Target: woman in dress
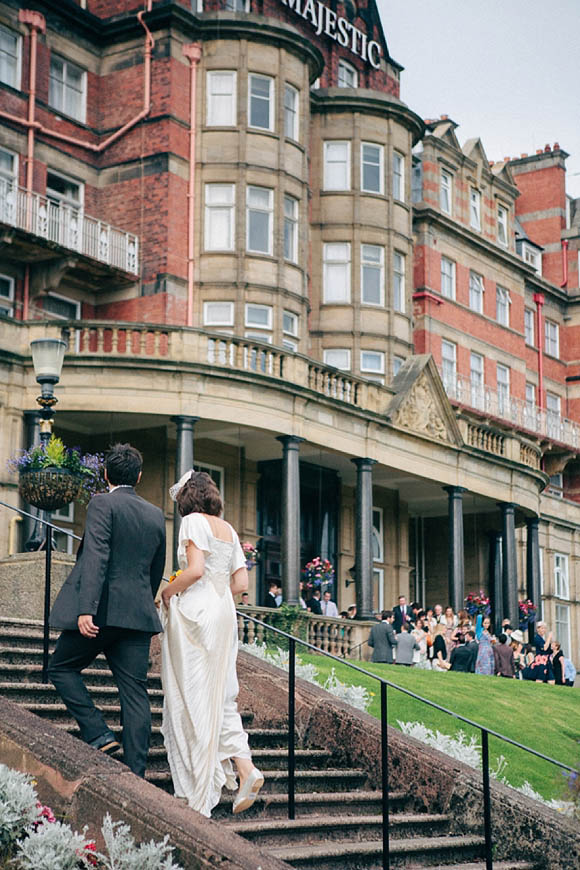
column 484, row 663
column 440, row 662
column 542, row 664
column 202, row 728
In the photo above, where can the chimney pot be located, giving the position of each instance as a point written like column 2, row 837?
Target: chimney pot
column 539, row 151
column 547, row 148
column 556, row 146
column 444, row 117
column 523, row 154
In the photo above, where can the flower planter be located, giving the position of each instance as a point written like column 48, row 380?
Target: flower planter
column 49, row 489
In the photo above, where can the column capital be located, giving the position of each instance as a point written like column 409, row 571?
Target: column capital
column 289, row 440
column 184, row 420
column 454, row 490
column 507, row 506
column 361, row 461
column 533, row 522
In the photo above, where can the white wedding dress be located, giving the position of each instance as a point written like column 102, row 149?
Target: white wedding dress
column 201, row 727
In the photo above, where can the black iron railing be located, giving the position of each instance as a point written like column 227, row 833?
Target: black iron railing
column 384, row 684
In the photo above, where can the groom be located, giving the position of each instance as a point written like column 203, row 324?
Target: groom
column 107, row 605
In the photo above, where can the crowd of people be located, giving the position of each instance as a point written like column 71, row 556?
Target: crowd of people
column 441, row 640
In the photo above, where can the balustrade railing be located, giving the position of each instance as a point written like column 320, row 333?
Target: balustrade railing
column 69, row 226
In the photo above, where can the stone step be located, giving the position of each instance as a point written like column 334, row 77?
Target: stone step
column 12, row 654
column 255, row 735
column 45, row 693
column 26, row 674
column 314, row 828
column 480, row 865
column 276, row 781
column 348, row 803
column 367, row 855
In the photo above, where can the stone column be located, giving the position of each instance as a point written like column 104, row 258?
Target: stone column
column 33, row 532
column 290, row 518
column 364, row 537
column 456, row 556
column 533, row 569
column 509, row 564
column 183, row 462
column 495, row 577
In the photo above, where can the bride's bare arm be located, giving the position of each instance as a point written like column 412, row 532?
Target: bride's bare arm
column 239, row 582
column 194, row 570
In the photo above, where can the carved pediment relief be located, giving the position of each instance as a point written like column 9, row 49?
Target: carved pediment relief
column 421, row 405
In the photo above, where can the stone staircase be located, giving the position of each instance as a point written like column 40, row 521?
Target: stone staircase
column 338, row 818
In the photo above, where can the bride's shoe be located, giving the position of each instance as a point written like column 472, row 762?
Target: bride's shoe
column 248, row 792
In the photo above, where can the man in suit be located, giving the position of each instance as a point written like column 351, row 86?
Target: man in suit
column 313, row 604
column 472, row 644
column 402, row 613
column 406, row 645
column 107, row 605
column 327, row 605
column 462, row 657
column 382, row 639
column 271, row 594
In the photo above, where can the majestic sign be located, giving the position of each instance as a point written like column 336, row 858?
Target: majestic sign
column 324, row 20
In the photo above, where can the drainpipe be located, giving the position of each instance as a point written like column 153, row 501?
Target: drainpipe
column 539, row 300
column 192, row 52
column 565, row 262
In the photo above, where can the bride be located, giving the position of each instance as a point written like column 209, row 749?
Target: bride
column 201, row 727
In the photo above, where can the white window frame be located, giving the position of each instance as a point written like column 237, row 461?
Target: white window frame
column 336, row 184
column 271, row 101
column 212, row 115
column 371, row 372
column 530, row 409
column 532, row 257
column 70, row 301
column 231, row 5
column 529, row 327
column 398, row 176
column 399, row 289
column 212, row 320
column 448, row 280
column 291, row 112
column 561, row 576
column 474, row 208
column 530, row 395
column 290, row 345
column 258, row 336
column 330, row 264
column 291, row 228
column 446, row 192
column 63, row 109
column 379, row 579
column 252, row 324
column 556, row 485
column 17, row 66
column 554, row 415
column 502, row 225
column 367, row 264
column 290, row 322
column 552, row 338
column 65, row 514
column 57, row 197
column 476, row 291
column 562, row 626
column 397, row 363
column 477, row 379
column 347, row 71
column 326, row 356
column 208, row 468
column 7, row 302
column 363, row 163
column 502, row 305
column 221, row 243
column 378, row 533
column 449, row 365
column 503, row 389
column 269, row 211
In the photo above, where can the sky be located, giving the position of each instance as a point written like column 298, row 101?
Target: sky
column 506, row 71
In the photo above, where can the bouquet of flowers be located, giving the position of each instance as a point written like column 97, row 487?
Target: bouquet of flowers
column 317, row 573
column 88, row 466
column 174, row 576
column 251, row 554
column 478, row 603
column 527, row 613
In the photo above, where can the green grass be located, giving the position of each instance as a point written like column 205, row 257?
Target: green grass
column 545, row 718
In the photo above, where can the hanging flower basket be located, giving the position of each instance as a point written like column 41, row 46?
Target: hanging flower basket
column 49, row 489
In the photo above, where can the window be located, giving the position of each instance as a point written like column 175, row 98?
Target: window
column 552, row 338
column 221, row 98
column 67, row 88
column 532, row 256
column 8, row 185
column 371, row 160
column 258, row 336
column 378, row 535
column 530, row 412
column 289, row 323
column 529, row 326
column 398, row 176
column 475, row 208
column 372, row 365
column 417, row 182
column 372, row 274
column 445, row 192
column 290, row 112
column 290, row 229
column 234, row 6
column 397, row 363
column 503, row 389
column 347, row 75
column 259, row 316
column 563, row 627
column 531, row 395
column 502, row 225
column 447, row 278
column 259, row 219
column 261, row 102
column 502, row 305
column 219, row 217
column 63, row 217
column 9, row 57
column 449, row 365
column 399, row 282
column 556, row 485
column 218, row 313
column 337, row 165
column 476, row 378
column 336, row 272
column 476, row 292
column 6, row 296
column 553, row 415
column 337, row 357
column 216, row 473
column 561, row 576
column 61, row 308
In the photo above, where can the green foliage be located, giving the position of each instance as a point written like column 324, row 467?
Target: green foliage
column 52, row 847
column 55, row 452
column 289, row 618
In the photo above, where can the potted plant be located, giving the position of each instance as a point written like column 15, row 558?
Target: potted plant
column 52, row 475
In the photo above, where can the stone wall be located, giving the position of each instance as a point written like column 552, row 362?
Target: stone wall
column 22, row 583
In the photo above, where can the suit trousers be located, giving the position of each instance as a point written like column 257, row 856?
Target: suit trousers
column 127, row 654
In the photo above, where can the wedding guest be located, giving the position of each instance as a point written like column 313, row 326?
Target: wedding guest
column 313, row 603
column 569, row 672
column 301, row 600
column 558, row 663
column 406, row 644
column 440, row 662
column 402, row 613
column 328, row 606
column 270, row 599
column 245, row 599
column 279, row 598
column 438, row 613
column 420, row 658
column 461, row 657
column 382, row 639
column 473, row 645
column 485, row 663
column 351, row 610
column 503, row 657
column 542, row 663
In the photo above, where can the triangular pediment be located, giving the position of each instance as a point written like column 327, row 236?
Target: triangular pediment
column 444, row 130
column 502, row 170
column 420, row 403
column 474, row 149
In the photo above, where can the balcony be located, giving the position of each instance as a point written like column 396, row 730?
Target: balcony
column 68, row 227
column 495, row 404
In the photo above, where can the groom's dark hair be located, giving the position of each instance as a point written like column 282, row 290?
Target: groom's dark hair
column 123, row 464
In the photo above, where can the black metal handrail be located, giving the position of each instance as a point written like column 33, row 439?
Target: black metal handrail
column 385, row 684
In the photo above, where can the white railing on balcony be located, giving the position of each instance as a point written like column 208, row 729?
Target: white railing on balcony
column 68, row 226
column 519, row 414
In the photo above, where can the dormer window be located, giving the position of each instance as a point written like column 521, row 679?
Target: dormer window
column 347, row 75
column 475, row 209
column 532, row 256
column 502, row 226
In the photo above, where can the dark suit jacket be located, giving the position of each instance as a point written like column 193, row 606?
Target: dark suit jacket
column 314, row 605
column 398, row 621
column 463, row 658
column 382, row 639
column 270, row 600
column 119, row 565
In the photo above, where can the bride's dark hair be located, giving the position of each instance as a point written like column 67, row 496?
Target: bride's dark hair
column 199, row 495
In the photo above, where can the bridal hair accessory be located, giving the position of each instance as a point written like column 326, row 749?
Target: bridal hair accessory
column 177, row 487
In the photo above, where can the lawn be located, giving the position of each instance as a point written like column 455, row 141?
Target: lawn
column 545, row 718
